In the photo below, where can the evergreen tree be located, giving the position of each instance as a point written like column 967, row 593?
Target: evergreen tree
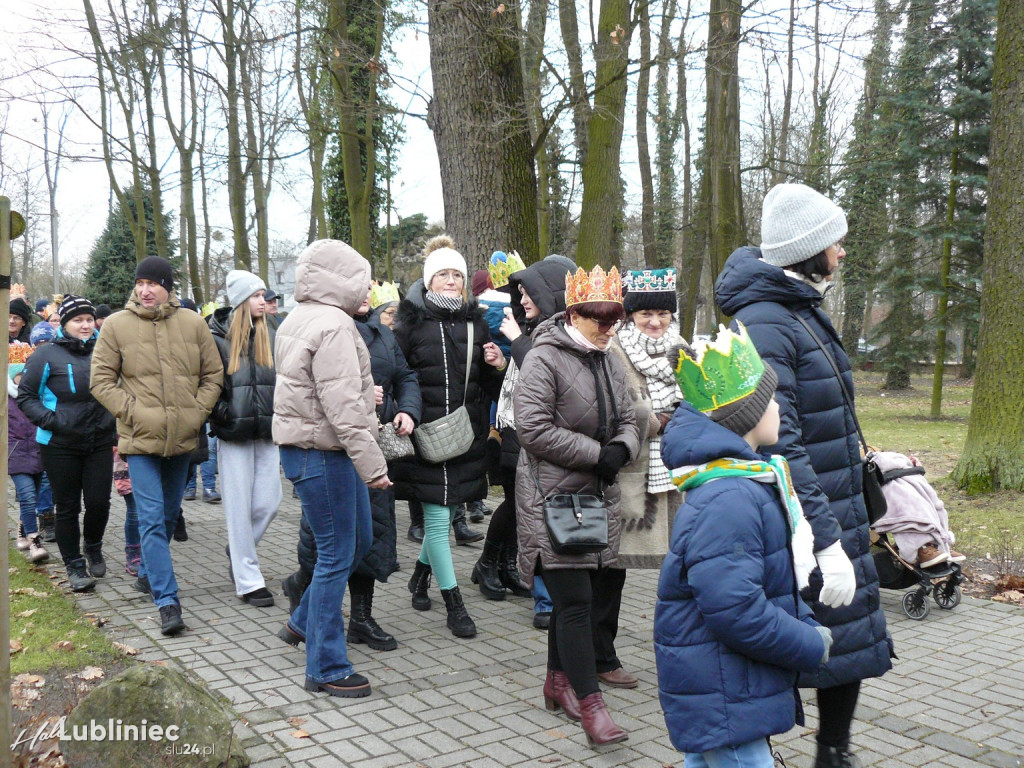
column 110, row 274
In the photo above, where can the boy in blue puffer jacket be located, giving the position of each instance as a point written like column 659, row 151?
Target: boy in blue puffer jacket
column 730, row 630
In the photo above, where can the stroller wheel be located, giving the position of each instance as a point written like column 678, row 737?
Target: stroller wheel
column 947, row 595
column 916, row 605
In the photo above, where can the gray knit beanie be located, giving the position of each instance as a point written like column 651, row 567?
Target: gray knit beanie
column 744, row 414
column 241, row 285
column 797, row 223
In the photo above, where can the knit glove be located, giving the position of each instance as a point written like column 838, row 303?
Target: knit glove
column 838, row 582
column 826, row 636
column 612, row 458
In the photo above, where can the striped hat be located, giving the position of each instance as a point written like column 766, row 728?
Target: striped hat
column 73, row 306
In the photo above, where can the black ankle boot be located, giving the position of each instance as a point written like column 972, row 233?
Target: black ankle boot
column 458, row 619
column 463, row 533
column 78, row 575
column 48, row 525
column 508, row 571
column 835, row 757
column 293, row 587
column 415, row 521
column 363, row 629
column 485, row 572
column 94, row 557
column 418, row 586
column 476, row 511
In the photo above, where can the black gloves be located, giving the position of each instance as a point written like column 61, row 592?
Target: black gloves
column 612, row 458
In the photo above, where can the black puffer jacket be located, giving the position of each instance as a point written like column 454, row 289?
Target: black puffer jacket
column 434, row 343
column 401, row 395
column 54, row 395
column 245, row 410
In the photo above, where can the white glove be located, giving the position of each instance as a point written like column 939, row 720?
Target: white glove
column 839, row 583
column 826, row 636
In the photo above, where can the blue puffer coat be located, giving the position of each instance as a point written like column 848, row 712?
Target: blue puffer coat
column 730, row 632
column 819, row 439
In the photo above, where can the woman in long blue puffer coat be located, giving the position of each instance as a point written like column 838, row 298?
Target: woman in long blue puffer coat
column 768, row 289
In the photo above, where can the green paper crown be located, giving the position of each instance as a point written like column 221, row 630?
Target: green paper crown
column 502, row 266
column 721, row 372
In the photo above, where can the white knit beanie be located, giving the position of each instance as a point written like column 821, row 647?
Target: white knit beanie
column 797, row 223
column 441, row 259
column 241, row 285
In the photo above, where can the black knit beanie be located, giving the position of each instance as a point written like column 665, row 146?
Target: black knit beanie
column 21, row 308
column 742, row 416
column 158, row 270
column 73, row 306
column 103, row 310
column 634, row 301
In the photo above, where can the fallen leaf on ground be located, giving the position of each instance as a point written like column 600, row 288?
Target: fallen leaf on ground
column 159, row 663
column 26, row 678
column 555, row 733
column 1010, row 596
column 25, row 614
column 29, row 591
column 295, row 722
column 91, row 673
column 299, row 734
column 65, row 645
column 16, row 646
column 127, row 650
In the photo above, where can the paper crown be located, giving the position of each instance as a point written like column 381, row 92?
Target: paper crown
column 721, row 371
column 18, row 352
column 651, row 280
column 383, row 293
column 501, row 267
column 583, row 288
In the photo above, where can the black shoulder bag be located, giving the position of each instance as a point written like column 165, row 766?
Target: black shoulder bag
column 577, row 523
column 874, row 498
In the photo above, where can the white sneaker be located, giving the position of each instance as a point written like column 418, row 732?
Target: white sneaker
column 36, row 551
column 22, row 543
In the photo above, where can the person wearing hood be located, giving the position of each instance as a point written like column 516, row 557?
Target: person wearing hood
column 157, row 369
column 326, row 425
column 433, row 329
column 577, row 429
column 242, row 423
column 776, row 291
column 397, row 396
column 75, row 435
column 536, row 293
column 730, row 631
column 19, row 326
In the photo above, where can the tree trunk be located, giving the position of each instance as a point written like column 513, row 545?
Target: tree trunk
column 779, row 170
column 481, row 129
column 942, row 299
column 993, row 456
column 577, row 83
column 533, row 54
column 601, row 208
column 726, row 227
column 650, row 242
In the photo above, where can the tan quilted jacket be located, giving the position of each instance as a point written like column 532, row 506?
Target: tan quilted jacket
column 323, row 398
column 158, row 371
column 557, row 421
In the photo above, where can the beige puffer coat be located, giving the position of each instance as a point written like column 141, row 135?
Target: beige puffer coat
column 158, row 371
column 323, row 398
column 558, row 421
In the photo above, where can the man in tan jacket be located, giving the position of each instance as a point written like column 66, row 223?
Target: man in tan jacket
column 157, row 369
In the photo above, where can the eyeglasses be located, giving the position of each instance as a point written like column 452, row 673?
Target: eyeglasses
column 604, row 327
column 450, row 274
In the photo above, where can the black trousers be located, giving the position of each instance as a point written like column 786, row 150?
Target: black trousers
column 77, row 476
column 502, row 528
column 579, row 643
column 836, row 706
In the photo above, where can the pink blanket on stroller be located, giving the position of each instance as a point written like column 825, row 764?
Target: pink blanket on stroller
column 916, row 515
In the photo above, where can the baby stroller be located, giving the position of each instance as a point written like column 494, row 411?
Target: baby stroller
column 895, row 571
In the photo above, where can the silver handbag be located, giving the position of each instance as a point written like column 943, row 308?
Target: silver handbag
column 393, row 445
column 451, row 435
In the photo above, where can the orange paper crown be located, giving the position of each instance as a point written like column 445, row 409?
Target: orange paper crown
column 18, row 352
column 583, row 288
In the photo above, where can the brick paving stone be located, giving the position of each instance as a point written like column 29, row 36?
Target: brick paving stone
column 955, row 697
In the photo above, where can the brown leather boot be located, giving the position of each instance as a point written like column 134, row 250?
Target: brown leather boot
column 597, row 723
column 558, row 693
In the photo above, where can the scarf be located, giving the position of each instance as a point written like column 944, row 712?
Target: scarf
column 650, row 358
column 775, row 472
column 451, row 303
column 506, row 416
column 582, row 340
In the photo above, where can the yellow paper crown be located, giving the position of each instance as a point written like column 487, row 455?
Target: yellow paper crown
column 383, row 294
column 502, row 266
column 583, row 288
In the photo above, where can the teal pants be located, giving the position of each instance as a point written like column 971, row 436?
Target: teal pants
column 436, row 552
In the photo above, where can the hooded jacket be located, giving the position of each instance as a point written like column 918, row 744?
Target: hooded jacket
column 158, row 371
column 245, row 409
column 730, row 632
column 324, row 398
column 433, row 341
column 54, row 395
column 818, row 437
column 22, row 449
column 562, row 392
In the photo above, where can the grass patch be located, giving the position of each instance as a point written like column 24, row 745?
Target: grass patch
column 53, row 632
column 901, row 421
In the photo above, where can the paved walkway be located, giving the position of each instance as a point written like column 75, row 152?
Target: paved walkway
column 955, row 698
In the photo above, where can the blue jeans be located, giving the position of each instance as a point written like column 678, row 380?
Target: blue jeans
column 336, row 504
column 208, row 469
column 158, row 484
column 28, row 488
column 755, row 754
column 44, row 498
column 541, row 599
column 131, row 522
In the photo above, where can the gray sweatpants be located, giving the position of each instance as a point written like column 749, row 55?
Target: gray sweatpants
column 250, row 487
